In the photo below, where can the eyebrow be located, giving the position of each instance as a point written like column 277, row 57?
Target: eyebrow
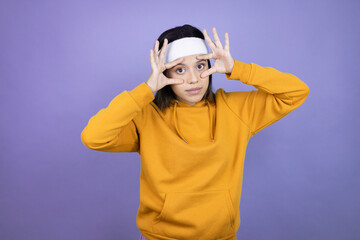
column 185, row 64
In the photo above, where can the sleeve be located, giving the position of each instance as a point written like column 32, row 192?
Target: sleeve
column 113, row 128
column 278, row 93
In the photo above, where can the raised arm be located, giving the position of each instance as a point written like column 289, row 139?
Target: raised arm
column 278, row 94
column 113, row 128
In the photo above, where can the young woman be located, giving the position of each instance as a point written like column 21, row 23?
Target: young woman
column 192, row 141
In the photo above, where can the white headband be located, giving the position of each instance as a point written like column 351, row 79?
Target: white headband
column 185, row 47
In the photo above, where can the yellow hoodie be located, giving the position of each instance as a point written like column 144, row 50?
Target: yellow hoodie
column 192, row 157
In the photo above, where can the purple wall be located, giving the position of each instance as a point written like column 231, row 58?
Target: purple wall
column 62, row 61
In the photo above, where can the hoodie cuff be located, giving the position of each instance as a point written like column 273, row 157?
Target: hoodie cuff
column 142, row 94
column 241, row 71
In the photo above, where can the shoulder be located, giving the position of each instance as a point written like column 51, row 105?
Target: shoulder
column 231, row 97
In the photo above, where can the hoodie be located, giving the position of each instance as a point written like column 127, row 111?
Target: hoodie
column 192, row 157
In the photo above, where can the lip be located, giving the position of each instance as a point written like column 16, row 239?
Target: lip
column 194, row 90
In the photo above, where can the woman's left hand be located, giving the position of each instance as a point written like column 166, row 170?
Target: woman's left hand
column 224, row 63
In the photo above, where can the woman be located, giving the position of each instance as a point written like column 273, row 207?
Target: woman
column 192, row 141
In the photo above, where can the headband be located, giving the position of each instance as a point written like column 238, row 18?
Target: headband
column 185, row 47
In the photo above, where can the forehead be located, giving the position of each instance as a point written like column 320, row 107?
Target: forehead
column 191, row 60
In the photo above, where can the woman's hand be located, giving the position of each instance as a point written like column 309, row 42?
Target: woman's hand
column 157, row 79
column 223, row 61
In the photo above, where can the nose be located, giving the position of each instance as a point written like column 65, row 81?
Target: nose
column 193, row 77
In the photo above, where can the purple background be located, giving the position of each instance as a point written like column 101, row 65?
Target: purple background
column 62, row 61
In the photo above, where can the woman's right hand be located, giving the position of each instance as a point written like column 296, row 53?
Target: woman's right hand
column 157, row 79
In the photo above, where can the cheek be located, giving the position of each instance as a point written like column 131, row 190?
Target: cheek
column 176, row 88
column 206, row 82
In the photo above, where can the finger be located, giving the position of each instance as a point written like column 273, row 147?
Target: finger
column 208, row 72
column 208, row 40
column 227, row 45
column 152, row 59
column 163, row 49
column 156, row 46
column 173, row 63
column 216, row 37
column 174, row 81
column 205, row 56
column 156, row 50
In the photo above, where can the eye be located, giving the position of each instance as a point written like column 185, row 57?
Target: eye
column 203, row 65
column 179, row 69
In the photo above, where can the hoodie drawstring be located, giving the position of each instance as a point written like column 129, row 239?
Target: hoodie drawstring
column 177, row 129
column 210, row 121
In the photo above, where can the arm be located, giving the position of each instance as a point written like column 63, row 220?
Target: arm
column 113, row 129
column 278, row 94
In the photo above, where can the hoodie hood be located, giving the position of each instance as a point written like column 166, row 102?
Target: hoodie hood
column 179, row 104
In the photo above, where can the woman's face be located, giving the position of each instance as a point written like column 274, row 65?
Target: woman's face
column 189, row 70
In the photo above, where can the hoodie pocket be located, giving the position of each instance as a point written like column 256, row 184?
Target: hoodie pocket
column 196, row 215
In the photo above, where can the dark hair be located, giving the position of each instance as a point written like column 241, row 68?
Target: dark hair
column 164, row 96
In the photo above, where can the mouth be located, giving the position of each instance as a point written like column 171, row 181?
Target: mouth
column 194, row 90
